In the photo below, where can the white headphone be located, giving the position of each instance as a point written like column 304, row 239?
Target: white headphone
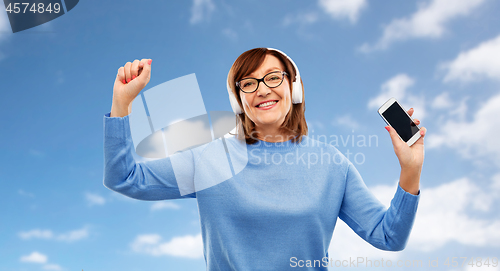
column 296, row 87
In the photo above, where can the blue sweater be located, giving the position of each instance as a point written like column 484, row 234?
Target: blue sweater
column 268, row 215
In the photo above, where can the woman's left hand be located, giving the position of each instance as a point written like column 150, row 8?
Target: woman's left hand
column 409, row 157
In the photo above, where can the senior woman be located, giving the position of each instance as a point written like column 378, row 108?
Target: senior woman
column 270, row 215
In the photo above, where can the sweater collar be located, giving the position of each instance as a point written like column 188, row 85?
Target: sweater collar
column 277, row 146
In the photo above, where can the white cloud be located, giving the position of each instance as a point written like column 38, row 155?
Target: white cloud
column 301, row 21
column 59, row 77
column 418, row 104
column 117, row 196
column 445, row 217
column 303, row 18
column 52, row 267
column 442, row 101
column 146, row 239
column 429, row 21
column 70, row 236
column 346, row 121
column 201, row 10
column 230, row 34
column 489, row 267
column 34, row 257
column 343, row 9
column 73, row 235
column 5, row 30
column 94, row 199
column 36, row 153
column 187, row 246
column 396, row 87
column 442, row 217
column 472, row 139
column 496, row 183
column 445, row 108
column 36, row 233
column 24, row 193
column 461, row 109
column 475, row 64
column 37, row 257
column 314, row 126
column 345, row 245
column 4, row 25
column 160, row 205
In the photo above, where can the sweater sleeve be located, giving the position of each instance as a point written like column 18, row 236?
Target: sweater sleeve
column 149, row 180
column 384, row 228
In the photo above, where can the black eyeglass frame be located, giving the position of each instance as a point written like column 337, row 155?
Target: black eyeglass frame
column 262, row 80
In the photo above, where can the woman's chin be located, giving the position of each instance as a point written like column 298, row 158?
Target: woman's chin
column 267, row 117
column 268, row 120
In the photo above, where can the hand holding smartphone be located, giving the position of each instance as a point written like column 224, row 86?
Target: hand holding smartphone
column 394, row 115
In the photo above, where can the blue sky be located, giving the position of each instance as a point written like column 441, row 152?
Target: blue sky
column 441, row 57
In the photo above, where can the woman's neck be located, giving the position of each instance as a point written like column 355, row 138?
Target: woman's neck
column 273, row 135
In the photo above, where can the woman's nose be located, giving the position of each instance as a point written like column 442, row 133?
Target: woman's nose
column 263, row 90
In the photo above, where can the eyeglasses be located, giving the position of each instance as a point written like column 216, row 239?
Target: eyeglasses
column 271, row 80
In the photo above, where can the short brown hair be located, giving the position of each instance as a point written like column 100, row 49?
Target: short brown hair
column 247, row 63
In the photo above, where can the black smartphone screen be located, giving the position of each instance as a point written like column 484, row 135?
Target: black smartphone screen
column 398, row 119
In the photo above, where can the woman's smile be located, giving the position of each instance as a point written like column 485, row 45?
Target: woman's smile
column 267, row 105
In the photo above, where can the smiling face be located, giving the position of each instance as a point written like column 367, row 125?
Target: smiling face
column 267, row 107
column 276, row 122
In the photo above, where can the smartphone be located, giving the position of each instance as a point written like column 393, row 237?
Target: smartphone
column 396, row 116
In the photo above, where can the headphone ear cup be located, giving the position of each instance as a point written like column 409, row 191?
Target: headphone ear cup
column 297, row 92
column 234, row 102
